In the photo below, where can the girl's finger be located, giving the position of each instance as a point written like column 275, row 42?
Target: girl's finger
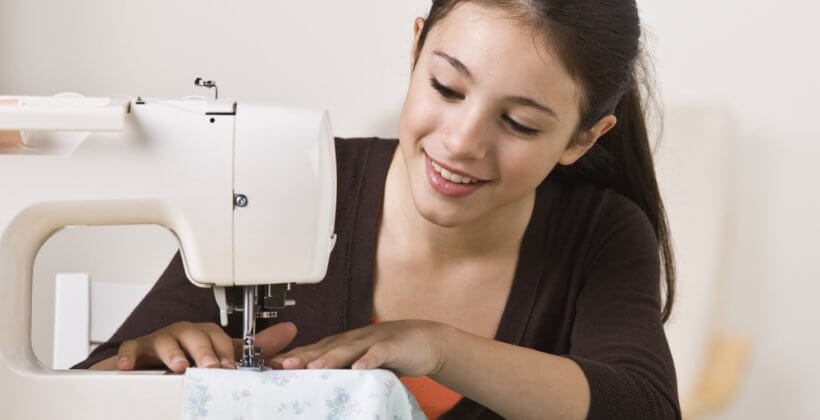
column 126, row 358
column 298, row 359
column 198, row 345
column 338, row 357
column 168, row 350
column 106, row 364
column 223, row 346
column 293, row 362
column 275, row 338
column 293, row 353
column 378, row 355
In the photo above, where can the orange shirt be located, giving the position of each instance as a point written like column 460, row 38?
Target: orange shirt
column 433, row 397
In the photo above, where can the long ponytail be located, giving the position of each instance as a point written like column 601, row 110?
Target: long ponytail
column 622, row 160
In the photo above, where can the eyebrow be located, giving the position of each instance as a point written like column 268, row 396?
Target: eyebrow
column 455, row 63
column 520, row 100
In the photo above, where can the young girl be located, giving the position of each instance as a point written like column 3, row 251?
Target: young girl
column 506, row 249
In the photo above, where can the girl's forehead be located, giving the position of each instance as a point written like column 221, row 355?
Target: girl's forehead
column 484, row 35
column 502, row 52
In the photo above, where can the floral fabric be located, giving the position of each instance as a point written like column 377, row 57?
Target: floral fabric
column 296, row 394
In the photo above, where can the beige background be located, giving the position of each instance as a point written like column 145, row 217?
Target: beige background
column 753, row 60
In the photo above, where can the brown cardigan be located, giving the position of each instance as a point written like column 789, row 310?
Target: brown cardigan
column 586, row 286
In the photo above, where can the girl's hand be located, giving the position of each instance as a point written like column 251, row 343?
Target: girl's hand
column 408, row 347
column 206, row 344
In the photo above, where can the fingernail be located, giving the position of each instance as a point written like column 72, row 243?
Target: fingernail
column 178, row 360
column 123, row 359
column 316, row 364
column 290, row 362
column 209, row 361
column 228, row 364
column 358, row 366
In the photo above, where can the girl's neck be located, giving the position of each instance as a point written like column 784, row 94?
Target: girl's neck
column 495, row 234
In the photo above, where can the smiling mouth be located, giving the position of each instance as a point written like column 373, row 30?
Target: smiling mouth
column 448, row 183
column 451, row 175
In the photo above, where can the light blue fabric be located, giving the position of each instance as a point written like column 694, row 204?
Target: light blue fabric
column 297, row 394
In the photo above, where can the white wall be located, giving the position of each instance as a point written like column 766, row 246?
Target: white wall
column 352, row 58
column 753, row 58
column 759, row 59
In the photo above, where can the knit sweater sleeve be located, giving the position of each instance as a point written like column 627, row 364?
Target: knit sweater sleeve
column 173, row 298
column 617, row 335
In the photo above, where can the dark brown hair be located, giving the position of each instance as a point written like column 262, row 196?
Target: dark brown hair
column 599, row 42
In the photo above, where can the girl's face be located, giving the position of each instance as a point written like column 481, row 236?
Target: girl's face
column 489, row 112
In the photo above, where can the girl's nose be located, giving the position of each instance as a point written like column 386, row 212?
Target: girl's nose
column 469, row 138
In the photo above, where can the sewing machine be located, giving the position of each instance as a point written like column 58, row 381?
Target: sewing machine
column 248, row 190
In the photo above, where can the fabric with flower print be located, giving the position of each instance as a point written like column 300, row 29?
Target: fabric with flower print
column 296, row 394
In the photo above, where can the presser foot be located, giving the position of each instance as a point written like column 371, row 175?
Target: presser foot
column 251, row 356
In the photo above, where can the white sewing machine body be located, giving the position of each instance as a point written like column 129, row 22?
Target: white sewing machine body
column 248, row 190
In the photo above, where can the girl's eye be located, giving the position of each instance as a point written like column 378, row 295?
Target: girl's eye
column 444, row 90
column 448, row 93
column 521, row 129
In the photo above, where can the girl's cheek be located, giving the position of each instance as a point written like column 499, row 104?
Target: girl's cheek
column 420, row 116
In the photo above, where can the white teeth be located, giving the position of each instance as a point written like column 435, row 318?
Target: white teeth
column 454, row 178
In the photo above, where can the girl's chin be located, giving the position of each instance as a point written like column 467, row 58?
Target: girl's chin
column 441, row 220
column 441, row 214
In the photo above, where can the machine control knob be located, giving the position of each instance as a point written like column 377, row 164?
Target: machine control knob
column 240, row 200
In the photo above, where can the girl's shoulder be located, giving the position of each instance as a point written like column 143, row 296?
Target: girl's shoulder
column 357, row 148
column 356, row 155
column 595, row 215
column 361, row 170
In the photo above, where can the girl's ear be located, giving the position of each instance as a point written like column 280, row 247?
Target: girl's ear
column 418, row 25
column 586, row 139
